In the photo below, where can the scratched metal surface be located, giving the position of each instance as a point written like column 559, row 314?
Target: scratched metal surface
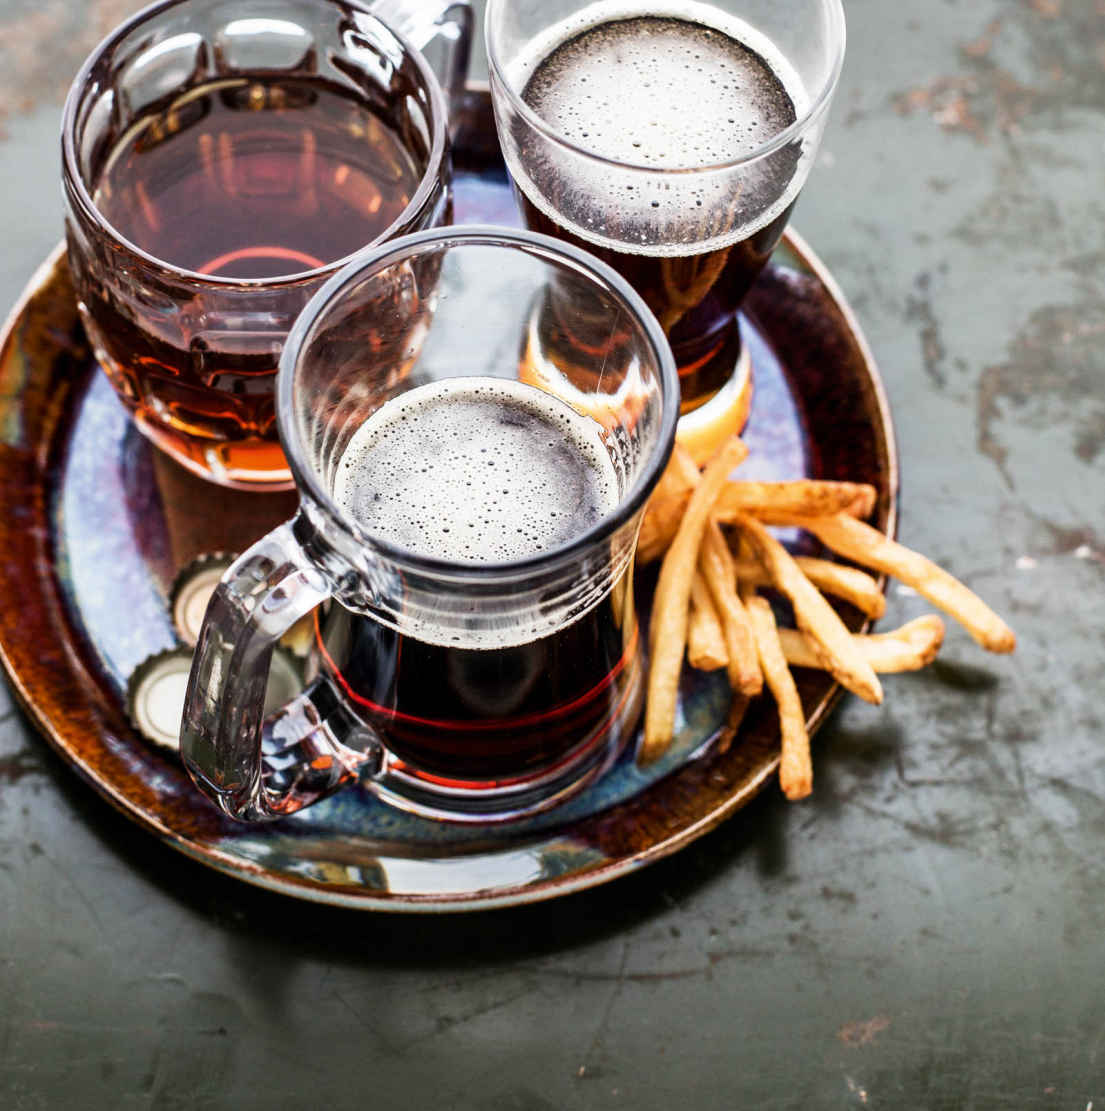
column 928, row 931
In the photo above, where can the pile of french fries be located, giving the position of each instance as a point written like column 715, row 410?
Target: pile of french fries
column 711, row 531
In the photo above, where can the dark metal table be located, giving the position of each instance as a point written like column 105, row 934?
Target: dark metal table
column 927, row 931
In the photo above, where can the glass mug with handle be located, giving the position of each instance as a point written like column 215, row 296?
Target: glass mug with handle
column 671, row 140
column 471, row 535
column 220, row 162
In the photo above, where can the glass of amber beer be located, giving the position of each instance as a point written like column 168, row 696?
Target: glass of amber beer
column 671, row 140
column 220, row 161
column 469, row 534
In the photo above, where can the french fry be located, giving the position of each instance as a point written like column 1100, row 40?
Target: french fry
column 716, row 565
column 670, row 603
column 813, row 614
column 685, row 468
column 658, row 528
column 667, row 505
column 743, row 554
column 737, row 708
column 795, row 767
column 868, row 546
column 849, row 583
column 680, row 476
column 908, row 648
column 774, row 502
column 706, row 649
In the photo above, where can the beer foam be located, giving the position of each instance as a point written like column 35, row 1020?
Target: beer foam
column 660, row 92
column 476, row 470
column 684, row 87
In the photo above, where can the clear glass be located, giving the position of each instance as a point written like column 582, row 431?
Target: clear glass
column 664, row 147
column 193, row 352
column 465, row 689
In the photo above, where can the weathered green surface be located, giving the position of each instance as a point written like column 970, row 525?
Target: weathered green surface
column 926, row 932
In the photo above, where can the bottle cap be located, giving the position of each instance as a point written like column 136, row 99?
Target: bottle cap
column 192, row 590
column 158, row 685
column 155, row 696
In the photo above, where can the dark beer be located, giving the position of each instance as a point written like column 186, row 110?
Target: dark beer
column 670, row 95
column 478, row 470
column 241, row 179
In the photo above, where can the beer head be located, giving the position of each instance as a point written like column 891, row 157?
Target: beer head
column 477, row 470
column 665, row 130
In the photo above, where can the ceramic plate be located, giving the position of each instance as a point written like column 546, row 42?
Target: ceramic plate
column 96, row 525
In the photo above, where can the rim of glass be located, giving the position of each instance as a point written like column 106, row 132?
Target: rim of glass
column 374, row 260
column 71, row 165
column 817, row 103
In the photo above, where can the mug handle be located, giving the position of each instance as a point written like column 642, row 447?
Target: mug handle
column 442, row 30
column 252, row 769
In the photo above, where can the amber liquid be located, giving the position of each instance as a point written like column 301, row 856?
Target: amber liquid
column 705, row 339
column 243, row 179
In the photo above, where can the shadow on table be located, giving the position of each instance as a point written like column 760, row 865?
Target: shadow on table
column 757, row 837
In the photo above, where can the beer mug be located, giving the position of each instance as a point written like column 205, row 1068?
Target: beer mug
column 672, row 143
column 465, row 538
column 220, row 162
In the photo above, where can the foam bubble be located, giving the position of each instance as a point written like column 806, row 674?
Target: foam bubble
column 476, row 470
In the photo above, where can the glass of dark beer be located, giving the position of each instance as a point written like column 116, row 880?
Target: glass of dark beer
column 467, row 533
column 671, row 140
column 220, row 162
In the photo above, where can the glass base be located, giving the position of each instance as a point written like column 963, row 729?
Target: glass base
column 257, row 465
column 703, row 430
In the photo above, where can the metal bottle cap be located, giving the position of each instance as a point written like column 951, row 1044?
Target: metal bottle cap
column 192, row 590
column 155, row 696
column 158, row 685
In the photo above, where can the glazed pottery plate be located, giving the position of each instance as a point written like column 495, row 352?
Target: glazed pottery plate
column 97, row 525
